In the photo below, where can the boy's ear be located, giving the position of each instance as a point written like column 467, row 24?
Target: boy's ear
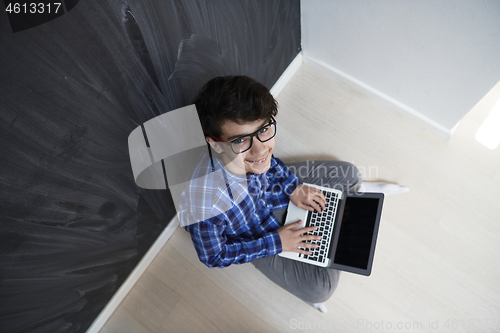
column 214, row 144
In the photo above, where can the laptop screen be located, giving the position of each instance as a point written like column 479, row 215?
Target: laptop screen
column 357, row 232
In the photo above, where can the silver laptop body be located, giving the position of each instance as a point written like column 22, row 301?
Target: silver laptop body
column 349, row 226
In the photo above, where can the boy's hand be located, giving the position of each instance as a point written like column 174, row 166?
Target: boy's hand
column 291, row 240
column 308, row 198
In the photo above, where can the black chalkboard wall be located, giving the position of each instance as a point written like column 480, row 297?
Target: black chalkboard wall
column 73, row 222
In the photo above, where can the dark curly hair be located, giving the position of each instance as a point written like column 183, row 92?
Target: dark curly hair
column 236, row 98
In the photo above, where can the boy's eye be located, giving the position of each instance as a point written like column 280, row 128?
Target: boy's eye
column 263, row 130
column 239, row 141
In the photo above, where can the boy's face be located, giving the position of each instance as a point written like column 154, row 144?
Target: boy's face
column 256, row 160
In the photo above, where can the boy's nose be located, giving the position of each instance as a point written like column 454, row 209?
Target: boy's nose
column 258, row 147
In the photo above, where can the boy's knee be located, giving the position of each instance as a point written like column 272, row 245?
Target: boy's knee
column 345, row 175
column 321, row 292
column 320, row 295
column 352, row 175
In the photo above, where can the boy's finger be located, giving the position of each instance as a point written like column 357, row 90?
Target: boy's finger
column 306, row 207
column 320, row 203
column 312, row 237
column 316, row 206
column 310, row 246
column 323, row 201
column 305, row 230
column 294, row 224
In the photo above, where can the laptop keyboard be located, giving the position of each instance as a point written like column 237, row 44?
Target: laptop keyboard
column 325, row 223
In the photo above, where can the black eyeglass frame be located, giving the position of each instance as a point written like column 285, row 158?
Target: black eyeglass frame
column 252, row 135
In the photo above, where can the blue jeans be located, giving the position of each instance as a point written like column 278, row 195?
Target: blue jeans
column 310, row 283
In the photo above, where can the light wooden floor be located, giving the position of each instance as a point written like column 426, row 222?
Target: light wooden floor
column 437, row 263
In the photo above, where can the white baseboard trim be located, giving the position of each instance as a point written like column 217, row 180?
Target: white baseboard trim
column 425, row 122
column 287, row 75
column 134, row 276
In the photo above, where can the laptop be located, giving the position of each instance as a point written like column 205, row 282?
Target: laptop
column 349, row 225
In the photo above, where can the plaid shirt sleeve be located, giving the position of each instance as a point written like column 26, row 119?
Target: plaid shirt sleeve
column 215, row 249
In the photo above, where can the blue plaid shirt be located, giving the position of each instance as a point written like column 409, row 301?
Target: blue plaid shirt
column 230, row 216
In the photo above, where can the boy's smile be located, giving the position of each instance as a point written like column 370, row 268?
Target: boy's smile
column 256, row 160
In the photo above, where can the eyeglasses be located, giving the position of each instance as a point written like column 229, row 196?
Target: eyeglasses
column 244, row 143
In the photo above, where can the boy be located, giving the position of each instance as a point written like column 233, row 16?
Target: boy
column 235, row 204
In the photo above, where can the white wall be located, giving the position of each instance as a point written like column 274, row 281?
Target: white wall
column 437, row 57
